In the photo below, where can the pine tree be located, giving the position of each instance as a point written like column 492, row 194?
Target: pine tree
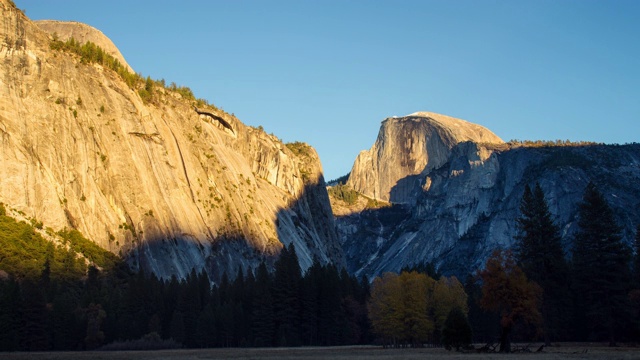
column 34, row 335
column 634, row 294
column 10, row 302
column 95, row 316
column 600, row 266
column 310, row 297
column 636, row 260
column 177, row 332
column 286, row 293
column 540, row 256
column 263, row 317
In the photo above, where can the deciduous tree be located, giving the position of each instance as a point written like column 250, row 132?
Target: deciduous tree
column 398, row 308
column 507, row 290
column 448, row 293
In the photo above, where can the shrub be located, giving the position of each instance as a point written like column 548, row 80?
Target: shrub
column 344, row 193
column 151, row 341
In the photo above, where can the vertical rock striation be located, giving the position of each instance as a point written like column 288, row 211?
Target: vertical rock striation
column 408, row 148
column 456, row 200
column 167, row 188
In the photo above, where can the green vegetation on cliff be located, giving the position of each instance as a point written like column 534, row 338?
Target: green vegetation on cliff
column 91, row 53
column 344, row 193
column 25, row 253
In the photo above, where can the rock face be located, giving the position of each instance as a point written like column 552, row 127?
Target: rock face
column 167, row 188
column 469, row 195
column 407, row 149
column 83, row 33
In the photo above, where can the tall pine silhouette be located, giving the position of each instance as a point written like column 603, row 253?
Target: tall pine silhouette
column 540, row 256
column 286, row 296
column 600, row 268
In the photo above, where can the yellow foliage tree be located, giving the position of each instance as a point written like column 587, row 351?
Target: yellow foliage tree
column 383, row 306
column 448, row 293
column 399, row 308
column 416, row 324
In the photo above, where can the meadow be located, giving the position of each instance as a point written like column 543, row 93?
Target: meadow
column 565, row 351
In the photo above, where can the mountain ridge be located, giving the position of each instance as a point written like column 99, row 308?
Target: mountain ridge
column 167, row 188
column 466, row 204
column 409, row 147
column 81, row 32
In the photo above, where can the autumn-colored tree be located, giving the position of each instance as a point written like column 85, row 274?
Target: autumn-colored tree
column 414, row 306
column 383, row 307
column 448, row 293
column 507, row 290
column 398, row 308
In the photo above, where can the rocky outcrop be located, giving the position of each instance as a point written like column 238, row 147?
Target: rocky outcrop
column 407, row 149
column 467, row 204
column 167, row 188
column 65, row 30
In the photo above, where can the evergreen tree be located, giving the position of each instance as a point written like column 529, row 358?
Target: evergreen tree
column 9, row 313
column 310, row 297
column 636, row 260
column 67, row 328
column 484, row 323
column 263, row 323
column 286, row 293
column 95, row 316
column 540, row 256
column 634, row 294
column 34, row 335
column 205, row 335
column 600, row 267
column 177, row 327
column 456, row 331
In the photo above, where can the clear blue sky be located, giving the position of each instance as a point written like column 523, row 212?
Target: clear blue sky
column 327, row 72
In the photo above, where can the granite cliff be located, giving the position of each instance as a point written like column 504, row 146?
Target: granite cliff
column 152, row 180
column 455, row 195
column 406, row 150
column 65, row 30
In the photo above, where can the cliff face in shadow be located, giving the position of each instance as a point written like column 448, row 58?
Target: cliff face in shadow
column 167, row 188
column 456, row 212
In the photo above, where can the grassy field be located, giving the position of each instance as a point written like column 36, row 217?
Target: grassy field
column 574, row 351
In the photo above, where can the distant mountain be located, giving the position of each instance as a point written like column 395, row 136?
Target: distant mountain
column 409, row 147
column 127, row 161
column 455, row 189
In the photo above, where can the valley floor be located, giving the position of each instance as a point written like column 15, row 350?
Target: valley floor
column 565, row 351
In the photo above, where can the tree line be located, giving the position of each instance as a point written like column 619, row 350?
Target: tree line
column 538, row 292
column 533, row 292
column 413, row 309
column 325, row 306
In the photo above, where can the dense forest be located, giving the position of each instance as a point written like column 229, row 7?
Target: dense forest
column 71, row 295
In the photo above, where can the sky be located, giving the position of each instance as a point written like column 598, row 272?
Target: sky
column 328, row 72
